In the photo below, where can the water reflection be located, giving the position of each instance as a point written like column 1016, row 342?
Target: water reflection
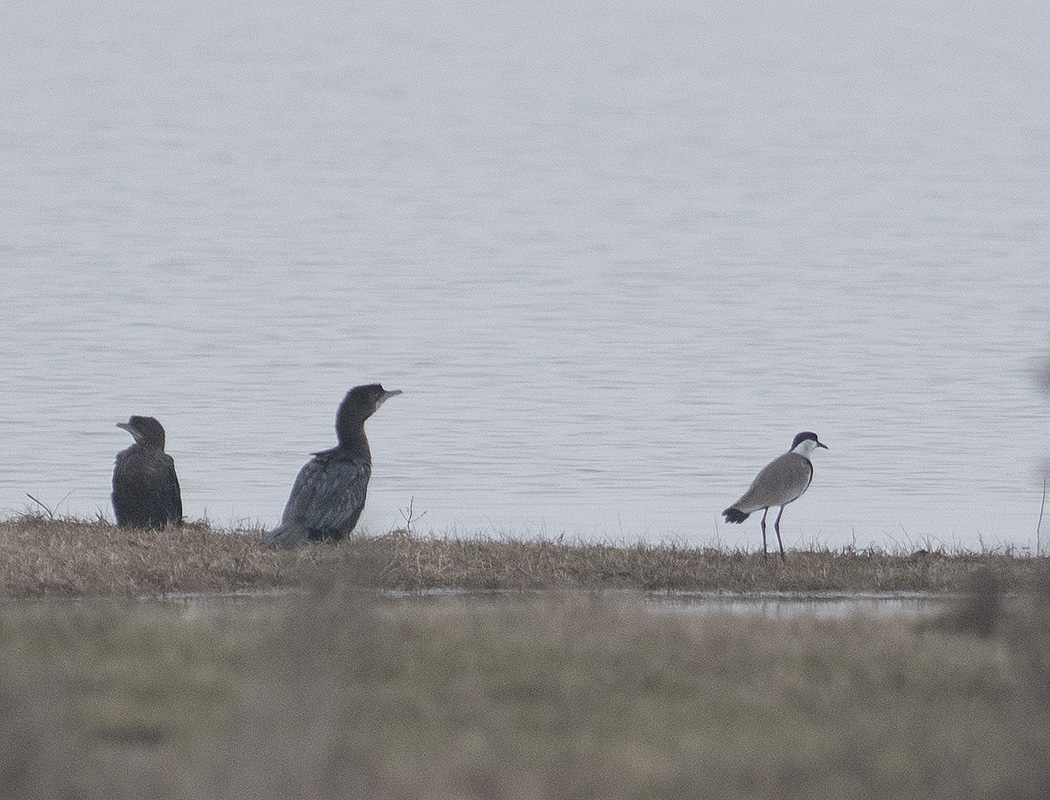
column 785, row 605
column 788, row 605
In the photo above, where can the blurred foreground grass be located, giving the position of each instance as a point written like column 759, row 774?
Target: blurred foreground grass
column 339, row 693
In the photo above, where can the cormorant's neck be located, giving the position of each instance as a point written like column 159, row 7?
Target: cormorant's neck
column 353, row 442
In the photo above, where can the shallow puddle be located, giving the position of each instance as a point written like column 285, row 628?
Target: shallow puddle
column 770, row 604
column 797, row 604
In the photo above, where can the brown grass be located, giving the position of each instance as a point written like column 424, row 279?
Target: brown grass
column 417, row 563
column 45, row 557
column 41, row 556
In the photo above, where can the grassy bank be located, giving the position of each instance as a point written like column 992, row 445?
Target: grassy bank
column 343, row 692
column 46, row 557
column 339, row 694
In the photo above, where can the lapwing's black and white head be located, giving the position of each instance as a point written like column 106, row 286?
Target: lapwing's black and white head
column 805, row 443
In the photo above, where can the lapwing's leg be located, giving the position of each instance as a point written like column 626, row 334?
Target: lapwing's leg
column 776, row 527
column 765, row 554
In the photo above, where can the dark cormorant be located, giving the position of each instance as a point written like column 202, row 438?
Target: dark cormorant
column 145, row 487
column 329, row 492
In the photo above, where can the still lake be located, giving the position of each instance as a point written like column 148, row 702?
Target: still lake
column 615, row 254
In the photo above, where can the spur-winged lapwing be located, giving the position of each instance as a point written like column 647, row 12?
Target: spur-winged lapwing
column 780, row 482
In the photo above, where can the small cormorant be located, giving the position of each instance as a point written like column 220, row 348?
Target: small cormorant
column 145, row 487
column 781, row 481
column 329, row 492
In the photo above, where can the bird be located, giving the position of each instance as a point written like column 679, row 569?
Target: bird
column 329, row 492
column 146, row 490
column 783, row 480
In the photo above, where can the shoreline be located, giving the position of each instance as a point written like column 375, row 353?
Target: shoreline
column 42, row 556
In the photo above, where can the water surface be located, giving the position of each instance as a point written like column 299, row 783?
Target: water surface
column 616, row 255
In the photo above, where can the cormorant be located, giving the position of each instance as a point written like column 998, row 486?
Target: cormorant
column 329, row 492
column 781, row 481
column 145, row 487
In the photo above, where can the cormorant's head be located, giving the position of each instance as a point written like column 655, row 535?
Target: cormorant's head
column 363, row 401
column 146, row 430
column 359, row 404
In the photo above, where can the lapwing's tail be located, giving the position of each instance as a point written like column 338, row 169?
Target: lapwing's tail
column 734, row 515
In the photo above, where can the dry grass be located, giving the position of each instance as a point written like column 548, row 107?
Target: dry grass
column 45, row 557
column 416, row 563
column 41, row 556
column 338, row 694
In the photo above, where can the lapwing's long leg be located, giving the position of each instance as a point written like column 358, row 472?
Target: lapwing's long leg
column 765, row 553
column 776, row 527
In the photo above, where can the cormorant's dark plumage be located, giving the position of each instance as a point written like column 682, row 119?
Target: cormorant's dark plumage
column 329, row 492
column 145, row 487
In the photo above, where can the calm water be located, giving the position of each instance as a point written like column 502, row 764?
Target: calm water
column 907, row 606
column 616, row 254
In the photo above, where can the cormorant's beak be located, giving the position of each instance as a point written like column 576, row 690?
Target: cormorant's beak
column 130, row 429
column 386, row 396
